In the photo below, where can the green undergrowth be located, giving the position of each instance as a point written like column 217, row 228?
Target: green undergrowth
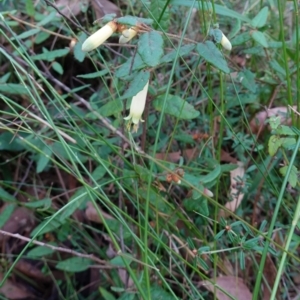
column 198, row 201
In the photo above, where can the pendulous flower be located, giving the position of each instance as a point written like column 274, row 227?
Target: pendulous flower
column 127, row 35
column 137, row 108
column 99, row 37
column 225, row 42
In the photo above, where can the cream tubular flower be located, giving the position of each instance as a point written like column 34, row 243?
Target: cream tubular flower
column 137, row 107
column 225, row 42
column 99, row 37
column 127, row 35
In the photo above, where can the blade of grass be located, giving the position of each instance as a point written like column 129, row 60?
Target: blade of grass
column 272, row 224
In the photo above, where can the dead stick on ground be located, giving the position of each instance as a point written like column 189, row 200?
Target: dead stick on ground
column 60, row 249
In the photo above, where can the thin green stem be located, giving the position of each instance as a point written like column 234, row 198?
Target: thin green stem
column 272, row 224
column 285, row 55
column 147, row 204
column 297, row 56
column 286, row 249
column 219, row 147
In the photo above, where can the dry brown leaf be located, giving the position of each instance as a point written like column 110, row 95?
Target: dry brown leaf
column 31, row 270
column 190, row 154
column 172, row 157
column 70, row 7
column 261, row 117
column 14, row 291
column 227, row 267
column 239, row 60
column 235, row 186
column 226, row 157
column 125, row 277
column 21, row 220
column 96, row 279
column 232, row 285
column 270, row 273
column 92, row 214
column 104, row 7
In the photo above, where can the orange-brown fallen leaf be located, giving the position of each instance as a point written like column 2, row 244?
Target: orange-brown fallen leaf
column 92, row 214
column 172, row 157
column 226, row 157
column 31, row 270
column 105, row 7
column 21, row 220
column 69, row 7
column 190, row 154
column 14, row 291
column 270, row 272
column 239, row 60
column 232, row 285
column 260, row 118
column 236, row 185
column 198, row 136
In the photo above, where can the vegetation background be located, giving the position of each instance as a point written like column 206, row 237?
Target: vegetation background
column 202, row 202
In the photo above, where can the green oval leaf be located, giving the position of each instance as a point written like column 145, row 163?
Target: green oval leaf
column 78, row 53
column 54, row 224
column 106, row 295
column 133, row 21
column 198, row 205
column 130, row 66
column 207, row 6
column 8, row 141
column 57, row 67
column 184, row 50
column 27, row 34
column 157, row 292
column 107, row 18
column 74, row 264
column 241, row 39
column 217, row 34
column 6, row 197
column 247, row 79
column 261, row 18
column 150, row 48
column 30, row 8
column 212, row 175
column 13, row 89
column 51, row 55
column 40, row 251
column 213, row 55
column 46, row 202
column 285, row 130
column 293, row 177
column 43, row 158
column 176, row 107
column 6, row 214
column 274, row 143
column 111, row 108
column 137, row 84
column 120, row 261
column 157, row 8
column 260, row 38
column 94, row 75
column 288, row 143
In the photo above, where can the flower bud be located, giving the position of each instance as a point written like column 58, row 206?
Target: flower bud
column 137, row 107
column 127, row 35
column 99, row 37
column 225, row 42
column 208, row 193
